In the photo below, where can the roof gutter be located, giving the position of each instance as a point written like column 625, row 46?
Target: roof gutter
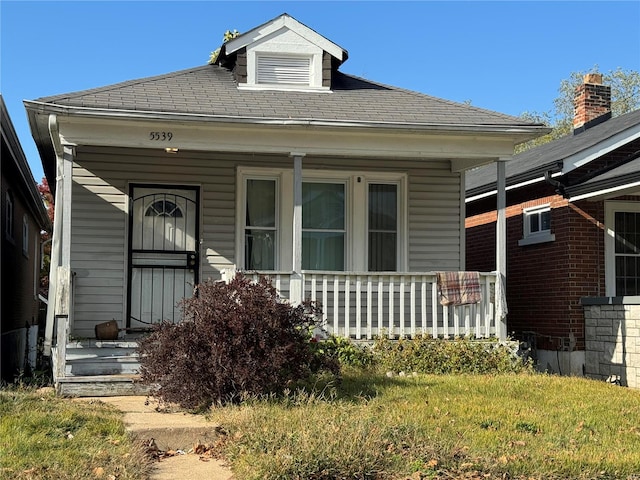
column 51, row 108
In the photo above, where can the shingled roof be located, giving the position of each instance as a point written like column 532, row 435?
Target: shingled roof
column 211, row 91
column 550, row 157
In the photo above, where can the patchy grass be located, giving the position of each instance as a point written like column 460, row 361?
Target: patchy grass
column 450, row 426
column 47, row 437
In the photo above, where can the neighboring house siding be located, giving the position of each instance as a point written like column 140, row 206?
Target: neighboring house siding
column 19, row 287
column 545, row 281
column 99, row 219
column 20, row 282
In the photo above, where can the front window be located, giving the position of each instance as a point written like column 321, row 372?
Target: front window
column 627, row 253
column 260, row 233
column 383, row 227
column 323, row 226
column 350, row 221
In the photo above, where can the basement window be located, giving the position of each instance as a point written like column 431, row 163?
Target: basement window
column 536, row 225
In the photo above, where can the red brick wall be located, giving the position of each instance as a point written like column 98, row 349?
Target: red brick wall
column 545, row 281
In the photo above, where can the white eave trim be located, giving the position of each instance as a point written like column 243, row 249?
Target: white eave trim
column 285, row 21
column 48, row 108
column 605, row 192
column 510, row 187
column 601, row 148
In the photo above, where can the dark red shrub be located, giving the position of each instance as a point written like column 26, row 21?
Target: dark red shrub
column 235, row 339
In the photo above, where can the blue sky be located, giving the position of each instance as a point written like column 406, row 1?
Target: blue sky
column 503, row 56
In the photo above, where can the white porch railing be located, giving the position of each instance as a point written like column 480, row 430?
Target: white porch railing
column 365, row 305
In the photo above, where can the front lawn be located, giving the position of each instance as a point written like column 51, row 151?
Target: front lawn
column 47, row 437
column 449, row 426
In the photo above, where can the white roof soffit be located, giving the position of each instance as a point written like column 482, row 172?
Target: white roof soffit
column 285, row 21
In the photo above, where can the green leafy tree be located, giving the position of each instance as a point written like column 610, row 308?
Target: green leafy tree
column 228, row 35
column 47, row 198
column 625, row 98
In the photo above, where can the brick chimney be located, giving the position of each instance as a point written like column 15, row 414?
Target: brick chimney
column 592, row 103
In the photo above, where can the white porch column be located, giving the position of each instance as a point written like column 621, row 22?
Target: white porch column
column 58, row 236
column 501, row 248
column 296, row 287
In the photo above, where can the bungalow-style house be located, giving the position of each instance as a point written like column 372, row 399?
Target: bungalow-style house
column 573, row 241
column 23, row 218
column 269, row 161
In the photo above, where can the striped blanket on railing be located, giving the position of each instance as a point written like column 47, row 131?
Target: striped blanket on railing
column 458, row 288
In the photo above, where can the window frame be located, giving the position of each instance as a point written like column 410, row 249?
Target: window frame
column 345, row 230
column 539, row 236
column 25, row 235
column 399, row 211
column 611, row 208
column 356, row 212
column 243, row 176
column 9, row 214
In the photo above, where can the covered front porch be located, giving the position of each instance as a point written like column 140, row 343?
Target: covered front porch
column 359, row 306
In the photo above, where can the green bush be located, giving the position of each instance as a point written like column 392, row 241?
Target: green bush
column 444, row 356
column 236, row 339
column 346, row 352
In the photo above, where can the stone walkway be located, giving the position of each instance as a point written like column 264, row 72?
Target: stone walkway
column 171, row 431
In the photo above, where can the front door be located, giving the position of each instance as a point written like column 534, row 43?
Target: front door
column 163, row 252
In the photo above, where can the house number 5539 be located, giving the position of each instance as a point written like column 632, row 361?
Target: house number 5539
column 161, row 136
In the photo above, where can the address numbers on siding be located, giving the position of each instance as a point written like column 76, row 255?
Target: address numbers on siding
column 161, row 136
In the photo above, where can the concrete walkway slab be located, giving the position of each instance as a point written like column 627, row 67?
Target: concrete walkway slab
column 171, row 431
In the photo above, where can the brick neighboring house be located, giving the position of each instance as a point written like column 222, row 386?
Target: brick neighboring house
column 573, row 241
column 23, row 218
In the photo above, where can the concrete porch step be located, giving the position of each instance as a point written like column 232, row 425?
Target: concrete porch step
column 100, row 385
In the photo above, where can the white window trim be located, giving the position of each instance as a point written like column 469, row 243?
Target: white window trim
column 25, row 235
column 611, row 208
column 401, row 206
column 318, row 176
column 283, row 219
column 356, row 222
column 532, row 238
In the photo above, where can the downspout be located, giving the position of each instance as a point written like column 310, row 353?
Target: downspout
column 57, row 232
column 559, row 186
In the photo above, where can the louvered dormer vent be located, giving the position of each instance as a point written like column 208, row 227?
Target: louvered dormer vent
column 283, row 70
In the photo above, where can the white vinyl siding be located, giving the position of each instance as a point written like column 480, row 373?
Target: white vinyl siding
column 99, row 219
column 283, row 70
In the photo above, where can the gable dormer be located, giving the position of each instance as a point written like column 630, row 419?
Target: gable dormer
column 282, row 54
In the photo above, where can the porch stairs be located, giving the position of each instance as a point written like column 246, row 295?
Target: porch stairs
column 97, row 368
